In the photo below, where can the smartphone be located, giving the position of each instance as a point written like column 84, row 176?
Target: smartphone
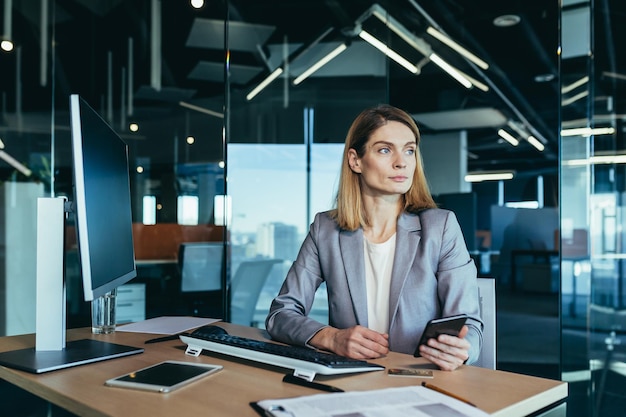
column 446, row 325
column 164, row 377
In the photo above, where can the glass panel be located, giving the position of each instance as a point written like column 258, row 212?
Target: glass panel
column 134, row 77
column 592, row 190
column 286, row 142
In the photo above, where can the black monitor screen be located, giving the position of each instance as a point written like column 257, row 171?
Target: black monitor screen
column 102, row 202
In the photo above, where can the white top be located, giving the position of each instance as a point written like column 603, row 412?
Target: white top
column 378, row 265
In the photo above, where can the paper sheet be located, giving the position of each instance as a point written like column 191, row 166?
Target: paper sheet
column 166, row 325
column 414, row 401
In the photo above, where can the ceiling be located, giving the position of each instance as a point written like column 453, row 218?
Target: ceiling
column 522, row 75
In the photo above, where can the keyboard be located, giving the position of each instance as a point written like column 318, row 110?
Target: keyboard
column 304, row 361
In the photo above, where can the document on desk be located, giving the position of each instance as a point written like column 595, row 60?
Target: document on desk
column 166, row 324
column 414, row 401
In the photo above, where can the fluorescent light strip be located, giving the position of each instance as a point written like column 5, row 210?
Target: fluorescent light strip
column 450, row 70
column 489, row 176
column 570, row 100
column 452, row 44
column 587, row 131
column 417, row 43
column 614, row 75
column 593, row 160
column 264, row 83
column 508, row 137
column 15, row 164
column 319, row 64
column 474, row 81
column 536, row 143
column 388, row 51
column 201, row 109
column 575, row 84
column 421, row 46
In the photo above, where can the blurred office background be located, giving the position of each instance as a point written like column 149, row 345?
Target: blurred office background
column 235, row 145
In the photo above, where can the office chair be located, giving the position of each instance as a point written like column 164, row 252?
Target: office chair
column 246, row 286
column 200, row 266
column 487, row 299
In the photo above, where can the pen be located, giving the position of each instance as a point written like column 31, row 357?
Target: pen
column 292, row 379
column 448, row 393
column 164, row 338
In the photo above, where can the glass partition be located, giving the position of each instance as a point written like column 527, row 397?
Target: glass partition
column 233, row 140
column 593, row 295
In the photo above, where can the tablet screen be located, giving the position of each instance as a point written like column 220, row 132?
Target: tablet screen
column 164, row 377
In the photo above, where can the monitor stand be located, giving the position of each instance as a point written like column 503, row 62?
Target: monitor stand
column 51, row 352
column 78, row 352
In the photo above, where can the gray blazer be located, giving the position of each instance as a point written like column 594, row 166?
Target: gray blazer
column 433, row 276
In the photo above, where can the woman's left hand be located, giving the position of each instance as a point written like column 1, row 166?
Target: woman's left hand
column 447, row 352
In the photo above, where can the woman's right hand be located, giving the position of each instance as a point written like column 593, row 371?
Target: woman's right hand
column 356, row 342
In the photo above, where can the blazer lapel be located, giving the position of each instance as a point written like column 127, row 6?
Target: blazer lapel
column 407, row 240
column 351, row 244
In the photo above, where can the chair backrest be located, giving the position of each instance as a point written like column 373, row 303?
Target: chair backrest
column 201, row 266
column 487, row 297
column 246, row 286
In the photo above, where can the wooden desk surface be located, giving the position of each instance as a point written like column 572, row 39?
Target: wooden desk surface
column 81, row 389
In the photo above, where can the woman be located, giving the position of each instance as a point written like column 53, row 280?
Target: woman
column 391, row 260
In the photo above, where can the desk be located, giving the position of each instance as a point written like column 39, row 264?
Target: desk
column 227, row 393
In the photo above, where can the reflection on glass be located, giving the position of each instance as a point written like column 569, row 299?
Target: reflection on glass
column 187, row 210
column 272, row 179
column 149, row 209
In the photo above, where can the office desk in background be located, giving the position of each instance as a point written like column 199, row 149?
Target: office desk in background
column 80, row 390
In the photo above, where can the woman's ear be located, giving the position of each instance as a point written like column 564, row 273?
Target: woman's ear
column 354, row 161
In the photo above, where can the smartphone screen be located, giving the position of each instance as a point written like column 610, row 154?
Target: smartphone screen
column 164, row 377
column 447, row 325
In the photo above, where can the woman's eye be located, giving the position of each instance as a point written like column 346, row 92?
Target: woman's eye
column 410, row 151
column 384, row 150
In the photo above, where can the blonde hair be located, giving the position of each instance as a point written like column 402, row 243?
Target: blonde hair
column 349, row 212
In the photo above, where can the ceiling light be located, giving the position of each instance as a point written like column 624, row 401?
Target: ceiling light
column 614, row 75
column 15, row 164
column 388, row 51
column 536, row 143
column 587, row 131
column 6, row 45
column 256, row 90
column 419, row 44
column 601, row 159
column 201, row 109
column 575, row 98
column 544, row 78
column 450, row 70
column 474, row 81
column 575, row 84
column 508, row 137
column 520, row 130
column 319, row 64
column 489, row 176
column 452, row 44
column 506, row 20
column 197, row 4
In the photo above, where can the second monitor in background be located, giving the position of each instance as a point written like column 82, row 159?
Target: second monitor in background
column 201, row 266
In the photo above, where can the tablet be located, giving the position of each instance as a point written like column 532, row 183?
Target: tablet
column 166, row 376
column 446, row 325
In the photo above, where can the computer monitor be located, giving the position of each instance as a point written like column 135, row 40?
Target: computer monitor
column 102, row 202
column 104, row 230
column 201, row 266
